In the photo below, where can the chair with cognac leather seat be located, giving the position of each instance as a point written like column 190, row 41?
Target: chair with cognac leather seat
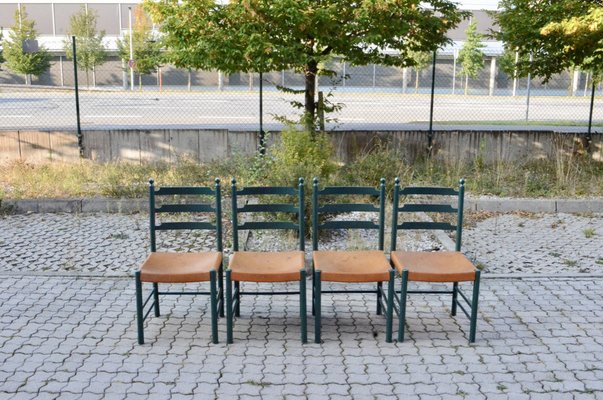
column 196, row 205
column 266, row 266
column 433, row 266
column 350, row 266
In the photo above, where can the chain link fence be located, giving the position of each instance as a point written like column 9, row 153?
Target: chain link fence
column 372, row 97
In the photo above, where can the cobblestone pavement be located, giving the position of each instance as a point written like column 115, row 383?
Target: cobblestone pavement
column 76, row 338
column 109, row 244
column 540, row 244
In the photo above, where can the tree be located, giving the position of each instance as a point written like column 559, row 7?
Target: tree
column 89, row 42
column 273, row 35
column 19, row 61
column 471, row 56
column 582, row 40
column 146, row 48
column 537, row 27
column 1, row 49
column 421, row 59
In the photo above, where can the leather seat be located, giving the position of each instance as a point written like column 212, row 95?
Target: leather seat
column 162, row 267
column 259, row 266
column 352, row 266
column 438, row 266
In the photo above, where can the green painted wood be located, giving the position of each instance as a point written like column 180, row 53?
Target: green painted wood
column 348, row 207
column 181, row 190
column 359, row 190
column 269, row 225
column 285, row 208
column 177, row 208
column 443, row 208
column 184, row 225
column 348, row 225
column 279, row 190
column 428, row 190
column 427, row 225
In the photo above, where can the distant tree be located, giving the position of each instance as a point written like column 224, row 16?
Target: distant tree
column 147, row 49
column 421, row 60
column 89, row 42
column 1, row 49
column 33, row 63
column 471, row 56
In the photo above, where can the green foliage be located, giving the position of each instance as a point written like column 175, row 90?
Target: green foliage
column 16, row 59
column 421, row 60
column 273, row 35
column 89, row 42
column 549, row 31
column 301, row 154
column 507, row 64
column 471, row 56
column 146, row 48
column 1, row 50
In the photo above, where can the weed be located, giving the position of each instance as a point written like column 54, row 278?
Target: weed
column 554, row 254
column 501, row 387
column 570, row 263
column 599, row 261
column 119, row 236
column 589, row 232
column 461, row 393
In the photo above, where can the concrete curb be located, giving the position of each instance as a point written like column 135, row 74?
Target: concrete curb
column 128, row 206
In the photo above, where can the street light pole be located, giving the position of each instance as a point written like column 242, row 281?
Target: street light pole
column 131, row 62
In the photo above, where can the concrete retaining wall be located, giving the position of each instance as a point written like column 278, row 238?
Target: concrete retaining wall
column 135, row 145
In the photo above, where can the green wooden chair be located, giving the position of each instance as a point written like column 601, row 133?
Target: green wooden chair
column 266, row 266
column 440, row 266
column 350, row 266
column 170, row 267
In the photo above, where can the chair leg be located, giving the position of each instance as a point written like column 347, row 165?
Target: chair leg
column 221, row 291
column 213, row 303
column 237, row 310
column 139, row 310
column 402, row 305
column 379, row 297
column 474, row 303
column 302, row 306
column 390, row 306
column 229, row 317
column 313, row 273
column 156, row 299
column 455, row 292
column 317, row 306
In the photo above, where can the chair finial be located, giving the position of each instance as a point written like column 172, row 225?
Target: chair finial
column 233, row 181
column 217, row 181
column 301, row 181
column 462, row 182
column 397, row 180
column 382, row 181
column 151, row 182
column 315, row 181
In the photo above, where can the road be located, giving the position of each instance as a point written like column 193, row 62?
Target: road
column 368, row 110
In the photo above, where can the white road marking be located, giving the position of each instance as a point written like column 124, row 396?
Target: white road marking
column 111, row 116
column 15, row 116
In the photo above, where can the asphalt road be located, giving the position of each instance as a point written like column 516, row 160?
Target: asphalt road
column 240, row 110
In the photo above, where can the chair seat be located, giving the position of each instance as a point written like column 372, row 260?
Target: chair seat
column 266, row 266
column 352, row 266
column 179, row 267
column 437, row 266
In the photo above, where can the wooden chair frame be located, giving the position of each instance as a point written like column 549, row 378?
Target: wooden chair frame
column 430, row 225
column 233, row 296
column 215, row 277
column 317, row 209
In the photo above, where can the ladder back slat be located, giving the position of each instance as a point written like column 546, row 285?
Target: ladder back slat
column 268, row 225
column 184, row 225
column 427, row 225
column 176, row 208
column 445, row 208
column 181, row 190
column 286, row 208
column 338, row 208
column 443, row 191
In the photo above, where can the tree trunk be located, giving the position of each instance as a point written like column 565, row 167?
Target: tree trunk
column 417, row 72
column 140, row 82
column 93, row 76
column 87, row 79
column 310, row 94
column 466, row 84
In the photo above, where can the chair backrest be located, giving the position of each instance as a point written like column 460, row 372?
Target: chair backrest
column 335, row 208
column 444, row 206
column 214, row 207
column 295, row 206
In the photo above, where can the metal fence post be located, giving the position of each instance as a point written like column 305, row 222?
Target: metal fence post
column 529, row 87
column 80, row 139
column 262, row 136
column 430, row 133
